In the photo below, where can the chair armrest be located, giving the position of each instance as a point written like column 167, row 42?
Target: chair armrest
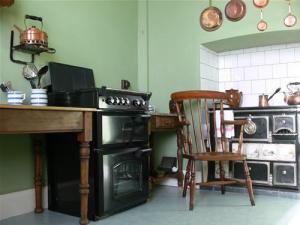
column 235, row 122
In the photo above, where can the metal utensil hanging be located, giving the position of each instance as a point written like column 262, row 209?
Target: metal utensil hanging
column 290, row 20
column 262, row 24
column 211, row 18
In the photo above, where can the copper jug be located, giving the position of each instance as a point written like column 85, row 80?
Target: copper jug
column 234, row 97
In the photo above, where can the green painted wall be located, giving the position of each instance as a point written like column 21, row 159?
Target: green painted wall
column 174, row 37
column 157, row 39
column 101, row 35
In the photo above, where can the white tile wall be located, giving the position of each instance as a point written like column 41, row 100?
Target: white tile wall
column 209, row 69
column 253, row 71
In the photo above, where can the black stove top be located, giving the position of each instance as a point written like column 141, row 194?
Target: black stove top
column 75, row 86
column 102, row 98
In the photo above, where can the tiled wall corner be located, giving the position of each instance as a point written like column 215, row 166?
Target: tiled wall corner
column 209, row 69
column 256, row 71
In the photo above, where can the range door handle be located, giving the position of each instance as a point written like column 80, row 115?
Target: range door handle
column 143, row 152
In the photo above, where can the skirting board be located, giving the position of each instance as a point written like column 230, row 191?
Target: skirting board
column 17, row 203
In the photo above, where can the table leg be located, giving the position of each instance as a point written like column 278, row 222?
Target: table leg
column 84, row 181
column 37, row 143
column 84, row 138
column 179, row 159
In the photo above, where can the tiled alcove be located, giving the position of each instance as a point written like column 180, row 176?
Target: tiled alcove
column 253, row 71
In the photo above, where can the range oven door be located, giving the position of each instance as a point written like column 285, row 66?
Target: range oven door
column 121, row 129
column 258, row 131
column 123, row 179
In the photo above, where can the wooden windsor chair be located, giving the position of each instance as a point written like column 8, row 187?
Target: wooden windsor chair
column 200, row 138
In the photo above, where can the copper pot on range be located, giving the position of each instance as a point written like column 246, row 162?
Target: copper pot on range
column 263, row 100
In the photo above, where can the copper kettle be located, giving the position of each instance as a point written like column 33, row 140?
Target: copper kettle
column 234, row 97
column 33, row 35
column 294, row 96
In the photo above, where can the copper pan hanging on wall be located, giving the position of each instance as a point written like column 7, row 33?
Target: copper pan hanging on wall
column 290, row 20
column 235, row 10
column 260, row 3
column 211, row 18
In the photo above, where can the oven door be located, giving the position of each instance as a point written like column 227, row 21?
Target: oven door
column 121, row 129
column 123, row 179
column 259, row 130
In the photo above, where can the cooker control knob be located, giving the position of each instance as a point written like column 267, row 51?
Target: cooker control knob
column 123, row 101
column 143, row 103
column 117, row 101
column 127, row 101
column 136, row 102
column 110, row 100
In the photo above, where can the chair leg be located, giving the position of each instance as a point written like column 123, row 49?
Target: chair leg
column 187, row 178
column 249, row 183
column 192, row 185
column 222, row 176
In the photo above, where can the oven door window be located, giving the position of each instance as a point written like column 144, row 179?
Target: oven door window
column 127, row 178
column 119, row 129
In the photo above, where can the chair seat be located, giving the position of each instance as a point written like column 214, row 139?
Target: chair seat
column 215, row 156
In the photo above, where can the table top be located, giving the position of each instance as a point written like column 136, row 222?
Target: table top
column 48, row 108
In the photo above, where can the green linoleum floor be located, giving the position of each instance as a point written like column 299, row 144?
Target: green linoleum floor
column 167, row 207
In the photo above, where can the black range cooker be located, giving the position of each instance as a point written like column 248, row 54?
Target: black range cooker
column 272, row 146
column 119, row 153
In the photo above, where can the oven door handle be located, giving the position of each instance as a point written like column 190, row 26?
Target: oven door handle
column 143, row 152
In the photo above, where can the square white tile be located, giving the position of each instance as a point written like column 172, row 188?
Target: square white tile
column 251, row 73
column 287, row 55
column 279, row 70
column 265, row 72
column 244, row 60
column 257, row 58
column 272, row 57
column 237, row 74
column 224, row 75
column 245, row 87
column 258, row 87
column 294, row 69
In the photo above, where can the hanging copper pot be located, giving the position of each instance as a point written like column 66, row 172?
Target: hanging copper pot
column 290, row 20
column 235, row 10
column 6, row 3
column 262, row 24
column 211, row 18
column 33, row 35
column 260, row 3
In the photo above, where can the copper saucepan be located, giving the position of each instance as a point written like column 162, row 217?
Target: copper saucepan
column 290, row 20
column 211, row 18
column 260, row 3
column 33, row 35
column 263, row 100
column 235, row 10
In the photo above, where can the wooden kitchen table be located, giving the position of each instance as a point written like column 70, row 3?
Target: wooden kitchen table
column 166, row 122
column 25, row 119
